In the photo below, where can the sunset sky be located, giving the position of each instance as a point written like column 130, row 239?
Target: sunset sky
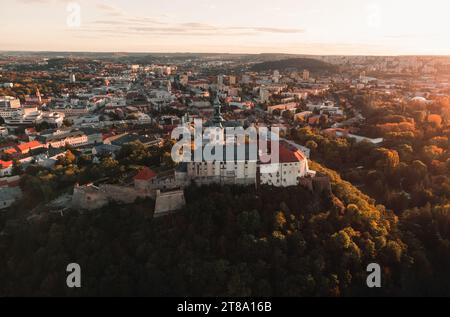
column 360, row 27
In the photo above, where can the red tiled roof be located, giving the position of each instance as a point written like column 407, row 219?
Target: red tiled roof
column 30, row 130
column 290, row 154
column 10, row 151
column 29, row 145
column 145, row 174
column 4, row 164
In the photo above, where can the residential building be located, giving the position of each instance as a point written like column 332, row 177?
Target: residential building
column 9, row 106
column 5, row 168
column 61, row 138
column 292, row 106
column 25, row 148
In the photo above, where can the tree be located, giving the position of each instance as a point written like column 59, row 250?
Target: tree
column 288, row 115
column 280, row 220
column 133, row 153
column 70, row 158
column 312, row 145
column 432, row 152
column 385, row 159
column 249, row 221
column 67, row 123
column 167, row 160
column 323, row 121
column 16, row 167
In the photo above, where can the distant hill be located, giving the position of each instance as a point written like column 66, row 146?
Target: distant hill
column 312, row 65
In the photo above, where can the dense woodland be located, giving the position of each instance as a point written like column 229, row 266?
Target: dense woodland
column 232, row 241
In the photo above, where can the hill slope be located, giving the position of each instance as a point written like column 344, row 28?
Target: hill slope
column 229, row 241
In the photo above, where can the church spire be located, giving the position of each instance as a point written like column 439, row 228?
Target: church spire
column 38, row 95
column 218, row 120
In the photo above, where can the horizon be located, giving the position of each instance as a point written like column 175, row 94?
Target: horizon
column 355, row 28
column 217, row 53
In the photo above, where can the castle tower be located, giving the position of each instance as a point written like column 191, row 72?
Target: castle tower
column 217, row 120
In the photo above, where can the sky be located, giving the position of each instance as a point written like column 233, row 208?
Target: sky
column 322, row 27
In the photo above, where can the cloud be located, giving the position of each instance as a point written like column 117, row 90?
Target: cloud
column 270, row 30
column 127, row 21
column 34, row 1
column 107, row 27
column 117, row 20
column 46, row 2
column 110, row 9
column 155, row 26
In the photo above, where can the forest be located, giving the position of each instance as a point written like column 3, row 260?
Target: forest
column 232, row 241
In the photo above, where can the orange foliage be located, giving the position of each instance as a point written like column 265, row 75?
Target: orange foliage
column 436, row 119
column 396, row 127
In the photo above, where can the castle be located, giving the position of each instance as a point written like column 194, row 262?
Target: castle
column 229, row 168
column 246, row 169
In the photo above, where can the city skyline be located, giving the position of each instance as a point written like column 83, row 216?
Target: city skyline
column 296, row 27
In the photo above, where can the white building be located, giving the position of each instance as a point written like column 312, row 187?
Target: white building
column 292, row 166
column 9, row 106
column 27, row 117
column 89, row 119
column 226, row 170
column 61, row 138
column 53, row 118
column 73, row 110
column 276, row 77
column 4, row 131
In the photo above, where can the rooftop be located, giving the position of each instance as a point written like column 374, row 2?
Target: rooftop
column 145, row 174
column 29, row 145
